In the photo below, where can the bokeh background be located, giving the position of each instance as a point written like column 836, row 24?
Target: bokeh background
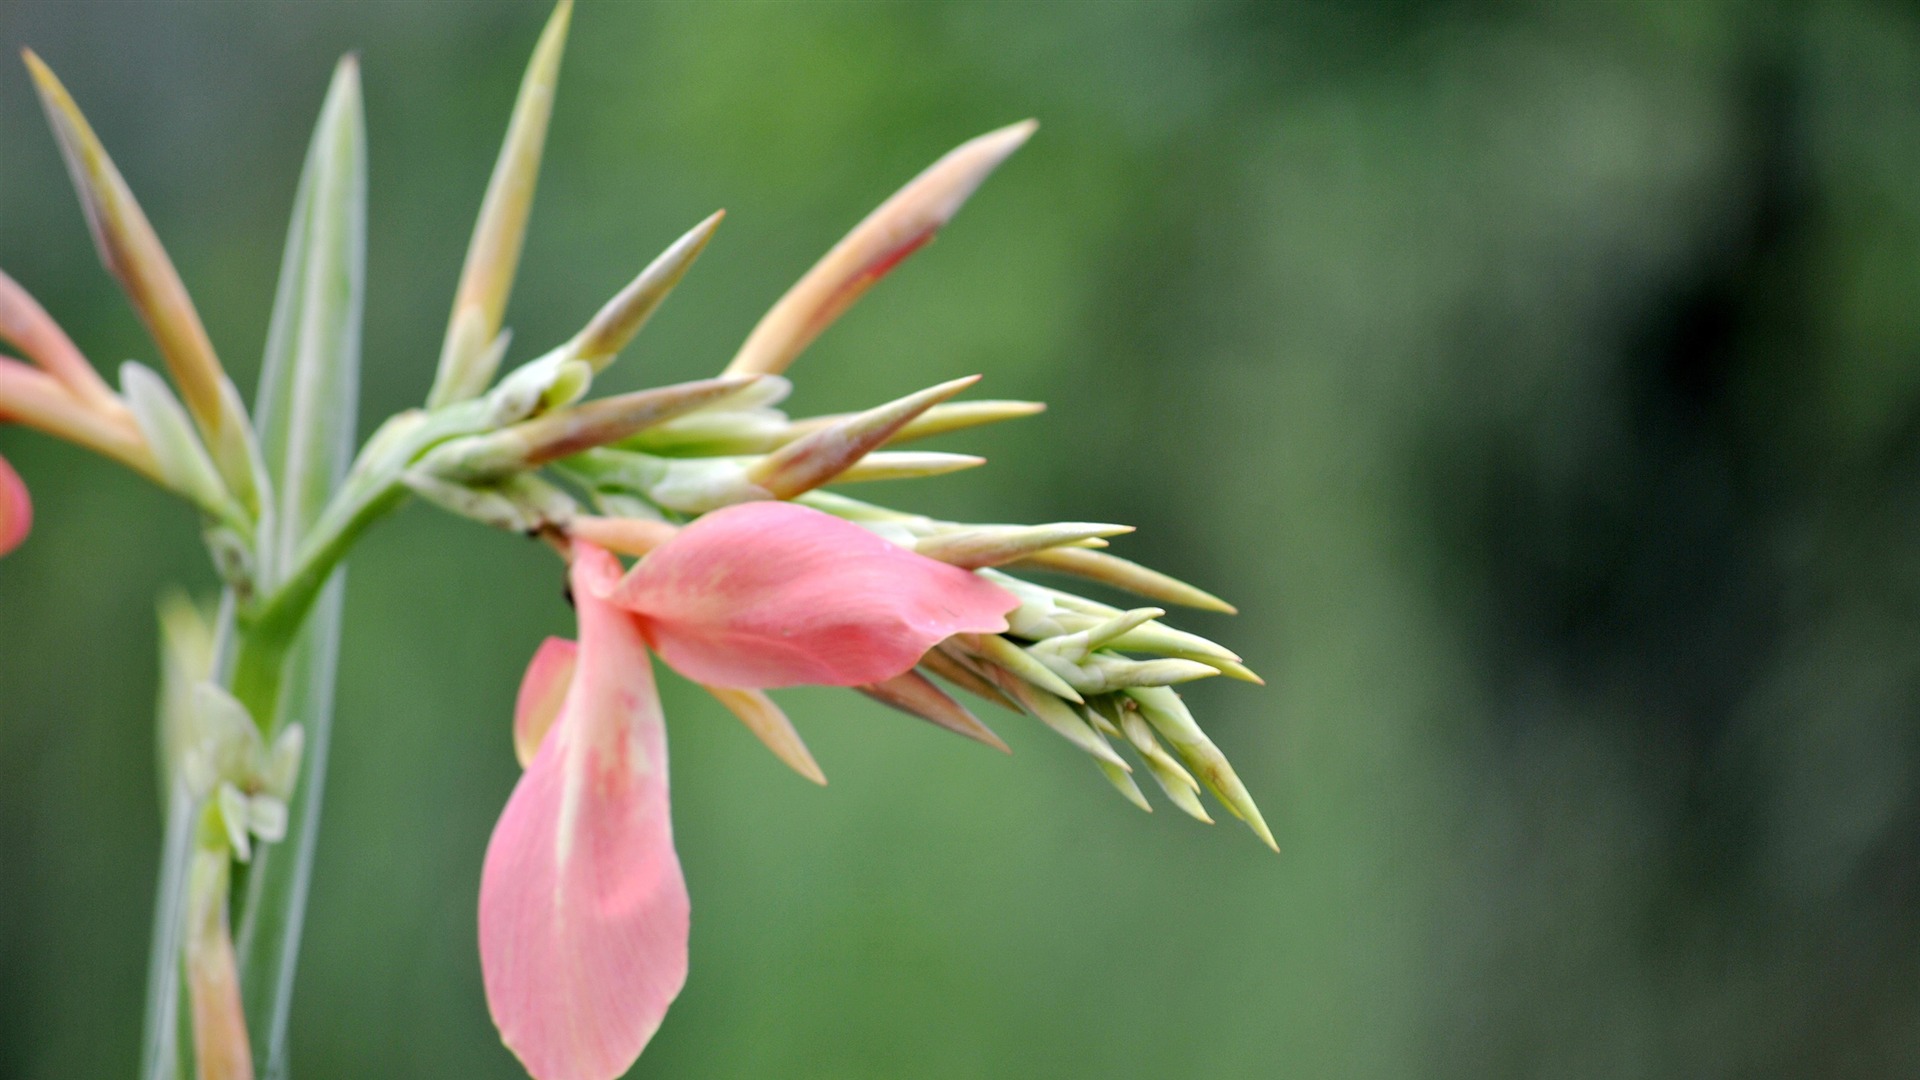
column 1542, row 380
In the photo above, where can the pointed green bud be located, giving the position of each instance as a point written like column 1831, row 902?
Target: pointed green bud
column 992, row 545
column 184, row 463
column 906, row 465
column 568, row 431
column 1075, row 647
column 624, row 315
column 770, row 725
column 1121, row 574
column 962, row 415
column 810, row 462
column 898, row 228
column 1062, row 717
column 1169, row 716
column 942, row 419
column 133, row 254
column 1123, row 782
column 914, row 694
column 1233, row 669
column 1179, row 785
column 493, row 255
column 1159, row 638
column 1000, row 653
column 1104, row 672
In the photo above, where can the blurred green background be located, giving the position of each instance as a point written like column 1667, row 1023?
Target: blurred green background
column 1542, row 380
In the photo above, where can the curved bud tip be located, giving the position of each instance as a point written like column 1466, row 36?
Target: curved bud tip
column 16, row 509
column 898, row 228
column 770, row 594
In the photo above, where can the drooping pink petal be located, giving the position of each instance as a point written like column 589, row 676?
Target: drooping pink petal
column 542, row 690
column 16, row 509
column 770, row 594
column 583, row 910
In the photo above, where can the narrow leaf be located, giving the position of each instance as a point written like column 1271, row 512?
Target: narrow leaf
column 310, row 375
column 308, row 401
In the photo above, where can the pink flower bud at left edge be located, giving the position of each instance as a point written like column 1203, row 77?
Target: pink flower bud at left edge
column 16, row 509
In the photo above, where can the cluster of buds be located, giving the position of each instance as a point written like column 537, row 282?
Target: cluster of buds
column 618, row 471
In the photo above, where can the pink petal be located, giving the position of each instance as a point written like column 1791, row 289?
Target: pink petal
column 583, row 910
column 542, row 690
column 16, row 509
column 770, row 594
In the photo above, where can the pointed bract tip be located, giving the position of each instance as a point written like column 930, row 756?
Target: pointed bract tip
column 769, row 723
column 620, row 318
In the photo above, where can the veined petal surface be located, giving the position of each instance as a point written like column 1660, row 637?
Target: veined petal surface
column 770, row 594
column 583, row 909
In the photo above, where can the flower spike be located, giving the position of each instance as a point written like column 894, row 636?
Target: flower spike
column 467, row 359
column 896, row 230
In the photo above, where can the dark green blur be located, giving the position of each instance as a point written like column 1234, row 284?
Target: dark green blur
column 1542, row 381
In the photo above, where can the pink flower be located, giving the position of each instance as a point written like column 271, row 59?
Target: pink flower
column 583, row 909
column 16, row 509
